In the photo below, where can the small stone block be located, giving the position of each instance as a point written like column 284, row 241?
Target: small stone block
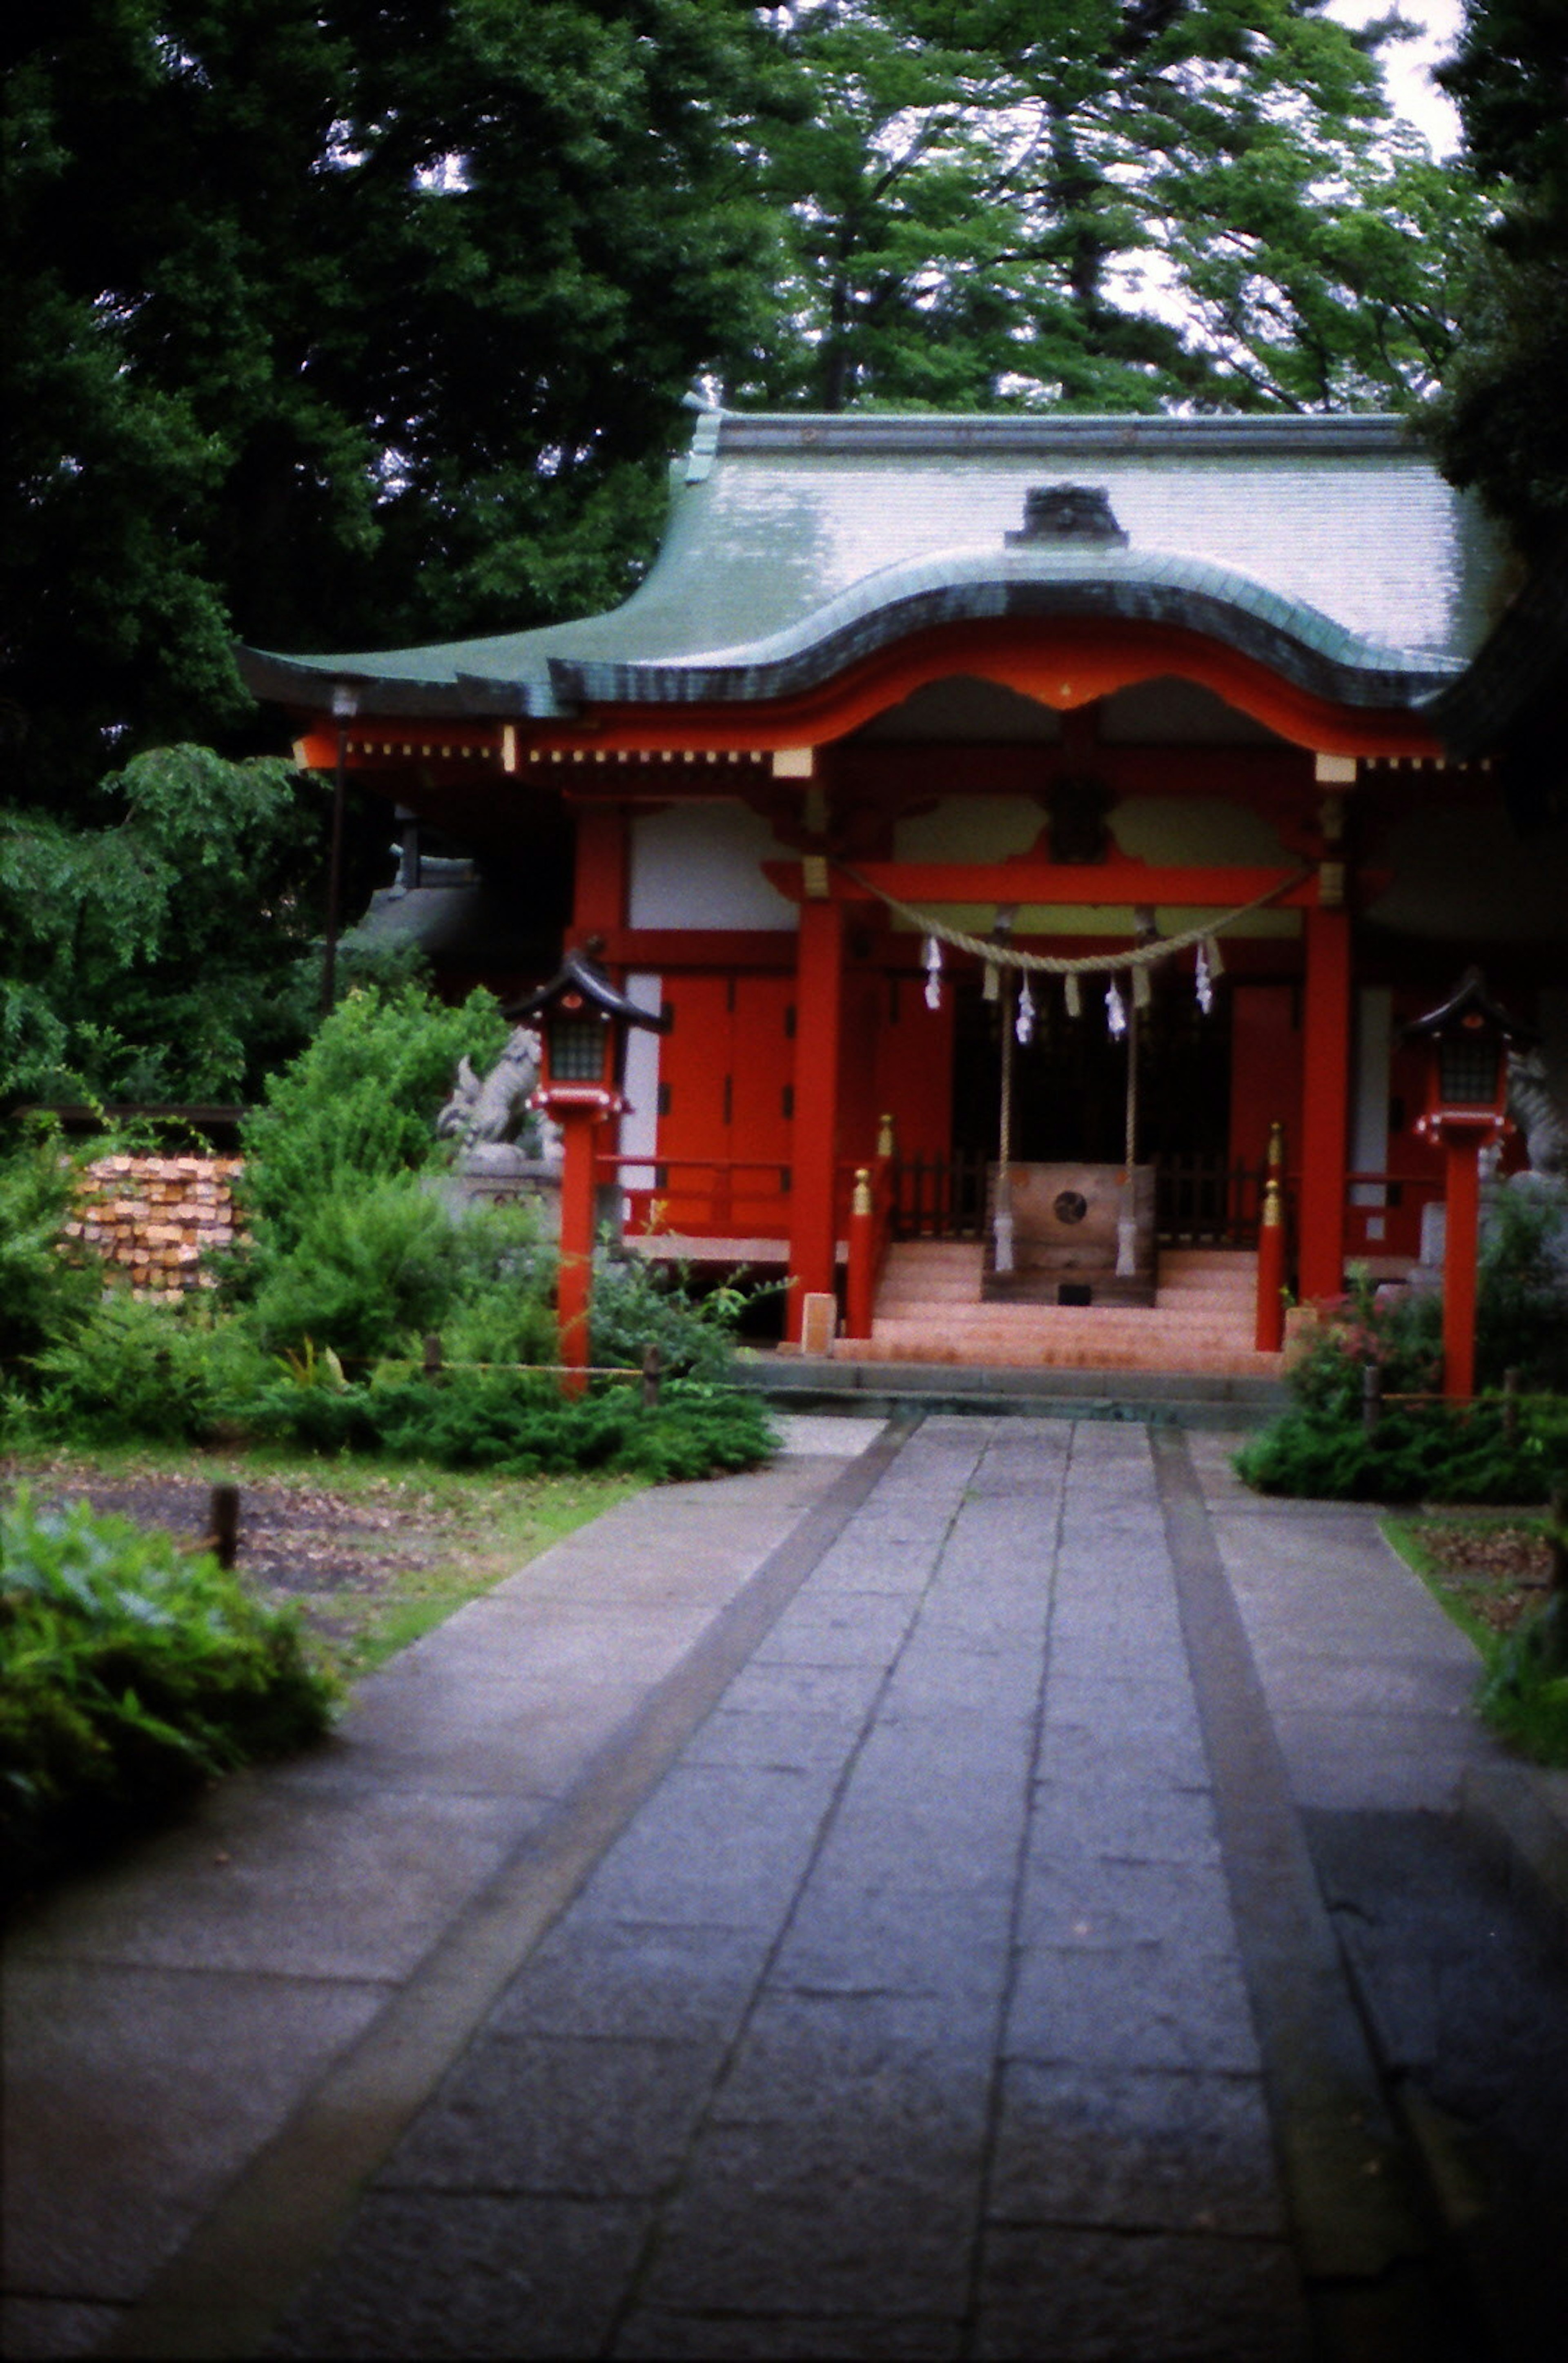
column 818, row 1319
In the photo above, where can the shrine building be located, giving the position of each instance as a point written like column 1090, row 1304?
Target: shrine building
column 1035, row 816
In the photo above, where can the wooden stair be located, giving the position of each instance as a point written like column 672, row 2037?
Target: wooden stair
column 929, row 1309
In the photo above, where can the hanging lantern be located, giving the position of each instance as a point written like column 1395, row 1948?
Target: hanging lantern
column 1071, row 993
column 1116, row 1010
column 1203, row 979
column 931, row 958
column 1023, row 1024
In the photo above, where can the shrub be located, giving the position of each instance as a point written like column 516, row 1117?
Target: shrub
column 521, row 1424
column 1521, row 1321
column 1422, row 1453
column 360, row 1102
column 371, row 1265
column 637, row 1305
column 1524, row 1691
column 44, row 1292
column 504, row 1277
column 1403, row 1339
column 132, row 1369
column 132, row 1673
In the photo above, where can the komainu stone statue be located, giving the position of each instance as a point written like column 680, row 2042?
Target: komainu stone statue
column 488, row 1110
column 1535, row 1109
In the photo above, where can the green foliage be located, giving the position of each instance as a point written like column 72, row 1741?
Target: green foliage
column 1402, row 1340
column 359, row 1103
column 1430, row 1453
column 335, row 325
column 132, row 1369
column 1498, row 425
column 1521, row 1320
column 43, row 1291
column 519, row 1424
column 132, row 1673
column 998, row 203
column 504, row 1280
column 371, row 1267
column 1524, row 1692
column 637, row 1304
column 162, row 952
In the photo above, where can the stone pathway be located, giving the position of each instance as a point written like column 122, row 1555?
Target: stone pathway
column 908, row 2018
column 860, row 1909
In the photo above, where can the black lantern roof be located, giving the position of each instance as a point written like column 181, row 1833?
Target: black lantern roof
column 581, row 985
column 1469, row 1001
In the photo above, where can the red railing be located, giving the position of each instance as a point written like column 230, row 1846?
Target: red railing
column 707, row 1195
column 1382, row 1212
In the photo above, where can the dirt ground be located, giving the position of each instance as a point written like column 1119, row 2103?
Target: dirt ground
column 1497, row 1568
column 358, row 1559
column 290, row 1540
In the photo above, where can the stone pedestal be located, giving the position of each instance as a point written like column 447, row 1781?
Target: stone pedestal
column 1065, row 1223
column 495, row 1173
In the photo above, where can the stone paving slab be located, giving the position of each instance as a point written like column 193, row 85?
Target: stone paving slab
column 499, row 2276
column 115, row 2141
column 579, row 2117
column 1369, row 1683
column 1136, row 2150
column 241, row 1886
column 1055, row 2295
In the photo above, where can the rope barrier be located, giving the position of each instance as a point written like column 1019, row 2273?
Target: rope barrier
column 1141, row 956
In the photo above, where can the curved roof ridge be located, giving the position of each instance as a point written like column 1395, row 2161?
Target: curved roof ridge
column 1288, row 433
column 1290, row 636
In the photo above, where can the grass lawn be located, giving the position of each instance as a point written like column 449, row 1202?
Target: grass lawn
column 372, row 1557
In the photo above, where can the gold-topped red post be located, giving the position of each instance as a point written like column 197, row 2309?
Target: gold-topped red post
column 859, row 1281
column 1268, row 1333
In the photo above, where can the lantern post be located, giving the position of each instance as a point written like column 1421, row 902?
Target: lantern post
column 583, row 1023
column 1468, row 1040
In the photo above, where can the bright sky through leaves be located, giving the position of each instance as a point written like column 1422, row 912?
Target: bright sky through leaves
column 1408, row 65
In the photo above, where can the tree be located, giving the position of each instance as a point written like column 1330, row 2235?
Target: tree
column 168, row 953
column 1500, row 423
column 342, row 321
column 1107, row 205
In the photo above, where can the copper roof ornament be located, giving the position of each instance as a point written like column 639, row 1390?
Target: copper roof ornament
column 1067, row 513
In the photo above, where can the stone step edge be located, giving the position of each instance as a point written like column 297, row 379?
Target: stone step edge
column 790, row 1375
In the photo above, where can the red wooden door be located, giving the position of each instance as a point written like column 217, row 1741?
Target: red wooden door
column 726, row 1079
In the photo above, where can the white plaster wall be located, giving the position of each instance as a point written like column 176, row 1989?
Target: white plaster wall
column 639, row 1125
column 1369, row 1132
column 698, row 866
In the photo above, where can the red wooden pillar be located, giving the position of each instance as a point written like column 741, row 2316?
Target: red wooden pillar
column 814, row 1150
column 1461, row 1233
column 1325, row 1104
column 575, row 1279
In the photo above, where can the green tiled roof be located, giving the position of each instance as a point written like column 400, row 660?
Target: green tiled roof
column 1328, row 548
